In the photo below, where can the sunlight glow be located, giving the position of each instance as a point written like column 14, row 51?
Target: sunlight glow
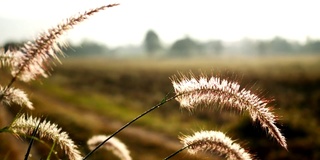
column 227, row 20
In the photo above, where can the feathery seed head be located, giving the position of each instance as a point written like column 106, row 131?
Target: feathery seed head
column 25, row 125
column 5, row 58
column 114, row 145
column 192, row 92
column 35, row 57
column 214, row 141
column 16, row 96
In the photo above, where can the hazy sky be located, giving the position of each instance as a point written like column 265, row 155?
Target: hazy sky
column 228, row 20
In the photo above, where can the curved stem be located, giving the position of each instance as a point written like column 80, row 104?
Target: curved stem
column 165, row 100
column 175, row 153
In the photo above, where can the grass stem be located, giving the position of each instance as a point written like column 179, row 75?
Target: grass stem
column 51, row 150
column 31, row 142
column 165, row 100
column 175, row 153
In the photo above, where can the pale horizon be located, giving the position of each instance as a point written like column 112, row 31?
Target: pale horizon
column 128, row 23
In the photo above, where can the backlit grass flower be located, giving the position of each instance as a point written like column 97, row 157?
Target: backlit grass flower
column 114, row 145
column 217, row 142
column 25, row 125
column 192, row 92
column 14, row 96
column 5, row 58
column 34, row 58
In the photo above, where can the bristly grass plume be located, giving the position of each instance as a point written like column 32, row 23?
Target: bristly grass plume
column 34, row 58
column 25, row 126
column 15, row 96
column 215, row 91
column 114, row 145
column 215, row 141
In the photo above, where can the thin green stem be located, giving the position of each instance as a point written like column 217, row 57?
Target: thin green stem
column 165, row 100
column 175, row 153
column 5, row 129
column 51, row 150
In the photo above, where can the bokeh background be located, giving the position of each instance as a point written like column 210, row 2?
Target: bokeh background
column 119, row 62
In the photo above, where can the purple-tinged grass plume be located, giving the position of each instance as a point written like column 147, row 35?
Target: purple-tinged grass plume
column 25, row 126
column 114, row 145
column 206, row 91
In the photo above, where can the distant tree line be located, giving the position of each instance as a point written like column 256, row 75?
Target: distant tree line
column 85, row 48
column 280, row 45
column 186, row 47
column 189, row 47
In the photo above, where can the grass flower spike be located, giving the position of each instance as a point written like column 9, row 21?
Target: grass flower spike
column 25, row 125
column 33, row 59
column 214, row 141
column 215, row 91
column 16, row 96
column 6, row 58
column 114, row 145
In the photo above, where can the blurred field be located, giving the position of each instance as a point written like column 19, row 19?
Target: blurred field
column 98, row 95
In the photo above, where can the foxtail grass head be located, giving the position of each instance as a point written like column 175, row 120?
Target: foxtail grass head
column 213, row 91
column 114, row 145
column 35, row 57
column 217, row 142
column 25, row 126
column 14, row 96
